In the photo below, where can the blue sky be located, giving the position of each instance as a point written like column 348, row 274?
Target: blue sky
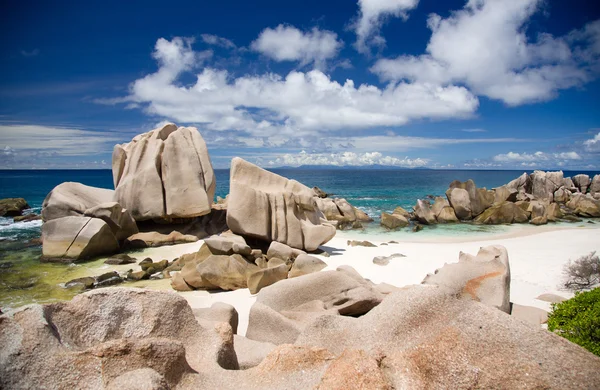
column 488, row 84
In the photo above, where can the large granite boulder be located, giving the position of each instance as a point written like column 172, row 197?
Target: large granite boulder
column 164, row 174
column 584, row 205
column 425, row 338
column 270, row 207
column 393, row 221
column 283, row 309
column 475, row 202
column 225, row 272
column 306, row 264
column 460, row 202
column 73, row 199
column 77, row 238
column 119, row 220
column 522, row 185
column 484, row 278
column 99, row 337
column 12, row 207
column 423, row 213
column 595, row 186
column 582, row 182
column 506, row 212
column 544, row 184
column 505, row 193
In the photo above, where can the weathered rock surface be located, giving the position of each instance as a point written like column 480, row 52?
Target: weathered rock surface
column 506, row 212
column 224, row 272
column 270, row 207
column 218, row 313
column 393, row 221
column 266, row 276
column 367, row 244
column 164, row 174
column 228, row 245
column 484, row 278
column 119, row 220
column 77, row 238
column 595, row 186
column 584, row 205
column 385, row 260
column 12, row 207
column 460, row 202
column 73, row 199
column 582, row 182
column 423, row 213
column 283, row 309
column 428, row 339
column 282, row 251
column 306, row 264
column 544, row 184
column 120, row 259
column 419, row 337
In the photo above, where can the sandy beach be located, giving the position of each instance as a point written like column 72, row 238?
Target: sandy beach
column 537, row 257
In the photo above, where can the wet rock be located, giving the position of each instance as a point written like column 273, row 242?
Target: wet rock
column 27, row 217
column 138, row 275
column 108, row 279
column 85, row 283
column 417, row 228
column 12, row 207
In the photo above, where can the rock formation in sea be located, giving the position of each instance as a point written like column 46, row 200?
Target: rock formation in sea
column 537, row 198
column 324, row 330
column 266, row 206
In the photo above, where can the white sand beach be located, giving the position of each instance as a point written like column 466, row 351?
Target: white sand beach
column 536, row 260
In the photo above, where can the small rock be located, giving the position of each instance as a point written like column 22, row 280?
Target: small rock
column 146, row 263
column 552, row 298
column 85, row 282
column 393, row 242
column 28, row 217
column 120, row 259
column 138, row 275
column 306, row 264
column 385, row 260
column 108, row 279
column 12, row 207
column 361, row 243
column 417, row 228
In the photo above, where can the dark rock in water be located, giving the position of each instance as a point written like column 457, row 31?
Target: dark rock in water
column 27, row 217
column 120, row 259
column 85, row 282
column 108, row 279
column 155, row 267
column 393, row 242
column 417, row 228
column 139, row 275
column 361, row 243
column 6, row 264
column 591, row 222
column 12, row 207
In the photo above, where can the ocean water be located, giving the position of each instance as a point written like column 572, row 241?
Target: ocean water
column 23, row 279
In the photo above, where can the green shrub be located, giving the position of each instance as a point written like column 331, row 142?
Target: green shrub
column 578, row 320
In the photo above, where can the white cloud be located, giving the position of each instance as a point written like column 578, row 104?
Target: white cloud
column 287, row 43
column 593, row 145
column 485, row 47
column 474, row 130
column 536, row 157
column 61, row 140
column 346, row 159
column 296, row 105
column 216, row 40
column 371, row 16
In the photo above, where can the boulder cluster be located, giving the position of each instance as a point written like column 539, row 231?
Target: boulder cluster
column 324, row 330
column 164, row 189
column 227, row 262
column 537, row 198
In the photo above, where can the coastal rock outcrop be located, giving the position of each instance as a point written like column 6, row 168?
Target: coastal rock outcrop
column 73, row 199
column 484, row 278
column 503, row 213
column 270, row 207
column 12, row 207
column 418, row 337
column 164, row 174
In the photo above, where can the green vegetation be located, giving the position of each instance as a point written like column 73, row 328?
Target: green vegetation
column 578, row 320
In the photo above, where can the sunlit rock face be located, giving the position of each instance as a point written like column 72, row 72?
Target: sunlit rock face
column 164, row 174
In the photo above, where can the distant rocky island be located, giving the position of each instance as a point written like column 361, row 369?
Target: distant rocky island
column 309, row 327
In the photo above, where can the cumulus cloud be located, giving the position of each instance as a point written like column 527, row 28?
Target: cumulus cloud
column 537, row 157
column 287, row 43
column 484, row 46
column 216, row 40
column 298, row 104
column 593, row 145
column 371, row 16
column 346, row 159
